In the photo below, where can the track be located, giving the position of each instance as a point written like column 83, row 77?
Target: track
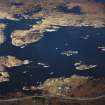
column 51, row 96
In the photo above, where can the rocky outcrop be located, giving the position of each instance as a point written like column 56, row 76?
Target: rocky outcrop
column 22, row 38
column 51, row 17
column 11, row 61
column 4, row 76
column 82, row 66
column 2, row 36
column 75, row 86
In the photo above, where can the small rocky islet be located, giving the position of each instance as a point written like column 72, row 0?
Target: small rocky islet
column 8, row 62
column 11, row 61
column 82, row 66
column 2, row 36
column 4, row 76
column 51, row 20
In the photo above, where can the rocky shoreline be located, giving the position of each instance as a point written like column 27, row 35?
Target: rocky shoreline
column 11, row 61
column 51, row 20
column 2, row 36
column 22, row 38
column 74, row 87
column 8, row 62
column 51, row 17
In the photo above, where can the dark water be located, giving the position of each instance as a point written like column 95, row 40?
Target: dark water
column 101, row 1
column 75, row 9
column 66, row 38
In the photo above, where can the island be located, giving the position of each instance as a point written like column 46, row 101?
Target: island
column 2, row 36
column 11, row 61
column 82, row 66
column 22, row 38
column 4, row 76
column 69, row 53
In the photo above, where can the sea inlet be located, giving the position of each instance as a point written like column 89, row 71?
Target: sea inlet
column 46, row 57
